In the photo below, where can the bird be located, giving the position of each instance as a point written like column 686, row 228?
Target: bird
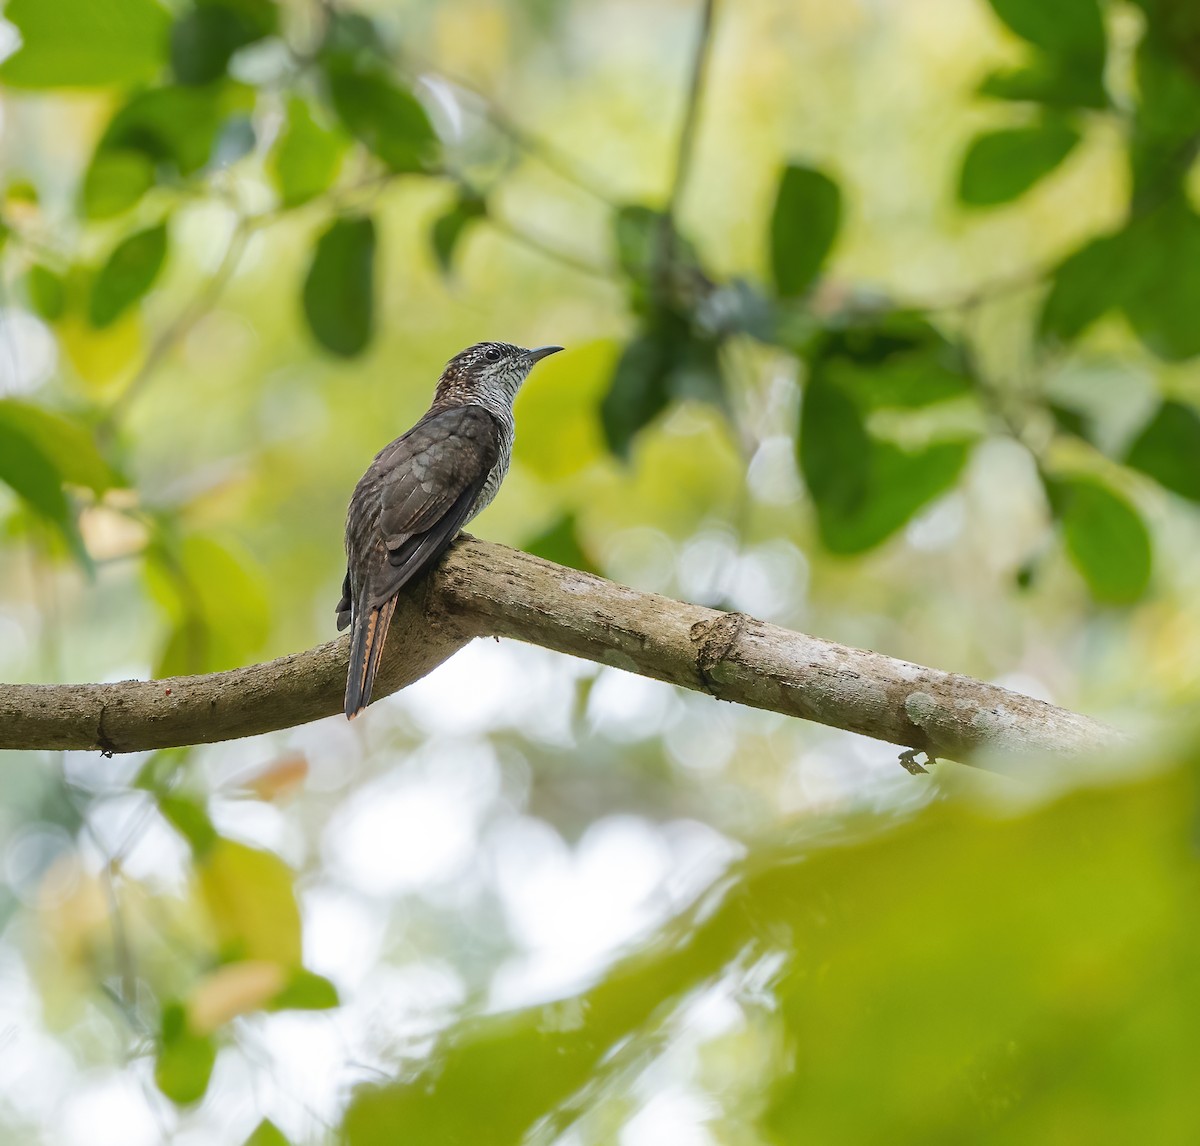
column 421, row 489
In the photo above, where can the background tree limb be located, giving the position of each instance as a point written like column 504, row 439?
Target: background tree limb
column 483, row 589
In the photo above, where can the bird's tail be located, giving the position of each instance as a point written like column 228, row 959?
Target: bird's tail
column 366, row 649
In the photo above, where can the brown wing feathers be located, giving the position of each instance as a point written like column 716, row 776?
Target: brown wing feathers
column 406, row 510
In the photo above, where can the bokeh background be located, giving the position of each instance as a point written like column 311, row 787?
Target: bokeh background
column 884, row 328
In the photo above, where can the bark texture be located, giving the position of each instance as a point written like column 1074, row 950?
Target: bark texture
column 481, row 590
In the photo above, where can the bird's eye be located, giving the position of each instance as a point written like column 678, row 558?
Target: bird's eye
column 492, row 354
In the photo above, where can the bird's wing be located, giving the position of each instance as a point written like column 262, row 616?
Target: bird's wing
column 410, row 504
column 424, row 473
column 428, row 481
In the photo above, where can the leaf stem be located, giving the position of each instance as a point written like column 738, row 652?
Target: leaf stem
column 549, row 250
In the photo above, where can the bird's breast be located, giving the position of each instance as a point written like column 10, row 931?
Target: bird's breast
column 492, row 483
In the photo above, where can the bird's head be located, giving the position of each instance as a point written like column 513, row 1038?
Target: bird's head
column 489, row 373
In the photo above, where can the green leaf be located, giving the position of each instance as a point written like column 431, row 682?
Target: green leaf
column 1087, row 284
column 1165, row 122
column 67, row 444
column 879, row 338
column 638, row 232
column 306, row 160
column 22, row 191
column 864, row 488
column 449, row 228
column 902, row 482
column 126, row 276
column 169, row 130
column 202, row 42
column 1055, row 83
column 187, row 649
column 266, row 1133
column 339, row 289
column 1176, row 25
column 642, row 242
column 561, row 434
column 185, row 1060
column 1013, row 978
column 259, row 18
column 85, row 43
column 249, row 894
column 385, row 117
column 217, row 599
column 46, row 291
column 1168, row 449
column 638, row 392
column 833, row 449
column 39, row 451
column 1069, row 421
column 1001, row 165
column 696, row 372
column 1072, row 28
column 28, row 471
column 896, row 360
column 667, row 360
column 115, row 181
column 560, row 544
column 910, row 381
column 189, row 817
column 804, row 225
column 1105, row 537
column 1063, row 1014
column 159, row 771
column 352, row 40
column 306, row 991
column 1163, row 298
column 205, row 37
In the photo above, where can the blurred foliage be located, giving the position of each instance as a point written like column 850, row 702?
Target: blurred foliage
column 980, row 977
column 240, row 236
column 175, row 138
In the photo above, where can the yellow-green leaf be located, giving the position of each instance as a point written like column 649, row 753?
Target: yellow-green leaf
column 185, row 1059
column 68, row 444
column 85, row 43
column 253, row 905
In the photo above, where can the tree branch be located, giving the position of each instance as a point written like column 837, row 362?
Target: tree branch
column 482, row 589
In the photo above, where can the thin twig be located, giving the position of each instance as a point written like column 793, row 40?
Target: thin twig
column 687, row 132
column 664, row 247
column 126, row 998
column 536, row 243
column 567, row 168
column 195, row 309
column 37, row 246
column 986, row 292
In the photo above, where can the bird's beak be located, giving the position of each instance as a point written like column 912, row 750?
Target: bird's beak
column 540, row 352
